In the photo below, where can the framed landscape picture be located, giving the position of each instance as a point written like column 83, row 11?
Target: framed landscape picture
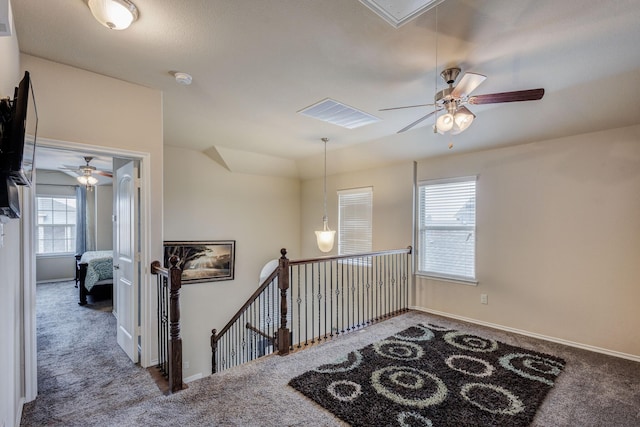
column 203, row 261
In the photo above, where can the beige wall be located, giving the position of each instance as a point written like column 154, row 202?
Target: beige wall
column 11, row 355
column 558, row 239
column 204, row 201
column 558, row 235
column 78, row 106
column 392, row 201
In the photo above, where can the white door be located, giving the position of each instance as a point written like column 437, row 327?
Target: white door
column 125, row 257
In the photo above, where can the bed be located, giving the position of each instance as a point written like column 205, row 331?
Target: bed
column 94, row 269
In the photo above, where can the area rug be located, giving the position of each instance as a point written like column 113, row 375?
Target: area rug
column 428, row 375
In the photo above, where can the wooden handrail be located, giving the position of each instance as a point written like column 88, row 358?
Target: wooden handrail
column 362, row 255
column 251, row 299
column 273, row 275
column 258, row 331
column 156, row 268
column 282, row 337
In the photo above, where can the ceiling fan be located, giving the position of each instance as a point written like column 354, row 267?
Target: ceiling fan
column 87, row 171
column 453, row 99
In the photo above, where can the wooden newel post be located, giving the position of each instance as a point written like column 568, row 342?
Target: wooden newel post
column 283, row 284
column 175, row 342
column 214, row 350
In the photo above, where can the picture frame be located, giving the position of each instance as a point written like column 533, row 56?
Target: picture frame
column 203, row 260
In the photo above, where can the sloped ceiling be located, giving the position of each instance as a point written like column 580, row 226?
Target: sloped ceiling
column 256, row 63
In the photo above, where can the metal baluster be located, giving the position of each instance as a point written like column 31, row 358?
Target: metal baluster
column 306, row 304
column 342, row 292
column 331, row 298
column 324, row 267
column 299, row 300
column 360, row 293
column 319, row 296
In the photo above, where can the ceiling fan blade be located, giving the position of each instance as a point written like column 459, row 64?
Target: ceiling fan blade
column 406, row 128
column 103, row 173
column 519, row 95
column 407, row 106
column 468, row 83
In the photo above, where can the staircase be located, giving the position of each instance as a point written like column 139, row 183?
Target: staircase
column 308, row 301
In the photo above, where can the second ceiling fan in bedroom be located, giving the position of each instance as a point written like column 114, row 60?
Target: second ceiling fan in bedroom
column 86, row 173
column 457, row 117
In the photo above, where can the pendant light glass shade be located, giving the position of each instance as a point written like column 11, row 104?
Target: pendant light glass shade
column 457, row 122
column 444, row 123
column 462, row 120
column 114, row 14
column 325, row 237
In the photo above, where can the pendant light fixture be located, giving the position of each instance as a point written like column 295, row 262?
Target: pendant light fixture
column 325, row 236
column 114, row 14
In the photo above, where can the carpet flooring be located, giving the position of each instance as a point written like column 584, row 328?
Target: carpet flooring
column 80, row 387
column 433, row 376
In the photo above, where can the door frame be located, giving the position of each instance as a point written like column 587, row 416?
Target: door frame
column 145, row 305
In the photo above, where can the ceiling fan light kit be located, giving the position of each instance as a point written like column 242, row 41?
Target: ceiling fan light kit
column 87, row 179
column 114, row 14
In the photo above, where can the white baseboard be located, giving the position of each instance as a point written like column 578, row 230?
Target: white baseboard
column 193, row 377
column 70, row 279
column 533, row 334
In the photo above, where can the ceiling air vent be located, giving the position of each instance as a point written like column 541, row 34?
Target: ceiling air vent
column 399, row 12
column 339, row 114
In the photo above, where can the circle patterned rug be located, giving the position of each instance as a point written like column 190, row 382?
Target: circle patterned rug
column 428, row 375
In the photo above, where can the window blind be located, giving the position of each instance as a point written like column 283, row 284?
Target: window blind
column 355, row 220
column 447, row 228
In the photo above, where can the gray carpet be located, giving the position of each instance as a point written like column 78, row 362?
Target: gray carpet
column 593, row 390
column 434, row 376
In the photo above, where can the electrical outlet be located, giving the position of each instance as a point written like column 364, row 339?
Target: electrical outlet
column 185, row 365
column 484, row 299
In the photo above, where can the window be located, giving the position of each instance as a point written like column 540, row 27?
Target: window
column 354, row 220
column 56, row 226
column 447, row 233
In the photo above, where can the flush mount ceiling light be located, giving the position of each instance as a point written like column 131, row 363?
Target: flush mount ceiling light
column 183, row 79
column 114, row 14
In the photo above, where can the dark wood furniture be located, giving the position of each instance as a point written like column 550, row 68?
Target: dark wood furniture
column 81, row 274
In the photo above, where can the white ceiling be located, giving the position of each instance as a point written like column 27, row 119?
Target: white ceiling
column 256, row 63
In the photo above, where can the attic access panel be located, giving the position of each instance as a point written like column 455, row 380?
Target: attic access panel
column 399, row 12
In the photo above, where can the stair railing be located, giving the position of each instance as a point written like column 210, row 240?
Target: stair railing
column 169, row 282
column 307, row 301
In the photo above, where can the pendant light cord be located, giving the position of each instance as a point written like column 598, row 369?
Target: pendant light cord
column 435, row 80
column 324, row 218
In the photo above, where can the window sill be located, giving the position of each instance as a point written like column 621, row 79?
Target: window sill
column 467, row 282
column 56, row 255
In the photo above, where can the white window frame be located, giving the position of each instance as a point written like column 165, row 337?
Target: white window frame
column 38, row 225
column 422, row 228
column 362, row 228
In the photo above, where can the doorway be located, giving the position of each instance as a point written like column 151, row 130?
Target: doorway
column 140, row 307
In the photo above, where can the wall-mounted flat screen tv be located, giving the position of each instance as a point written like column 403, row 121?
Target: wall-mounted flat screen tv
column 20, row 127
